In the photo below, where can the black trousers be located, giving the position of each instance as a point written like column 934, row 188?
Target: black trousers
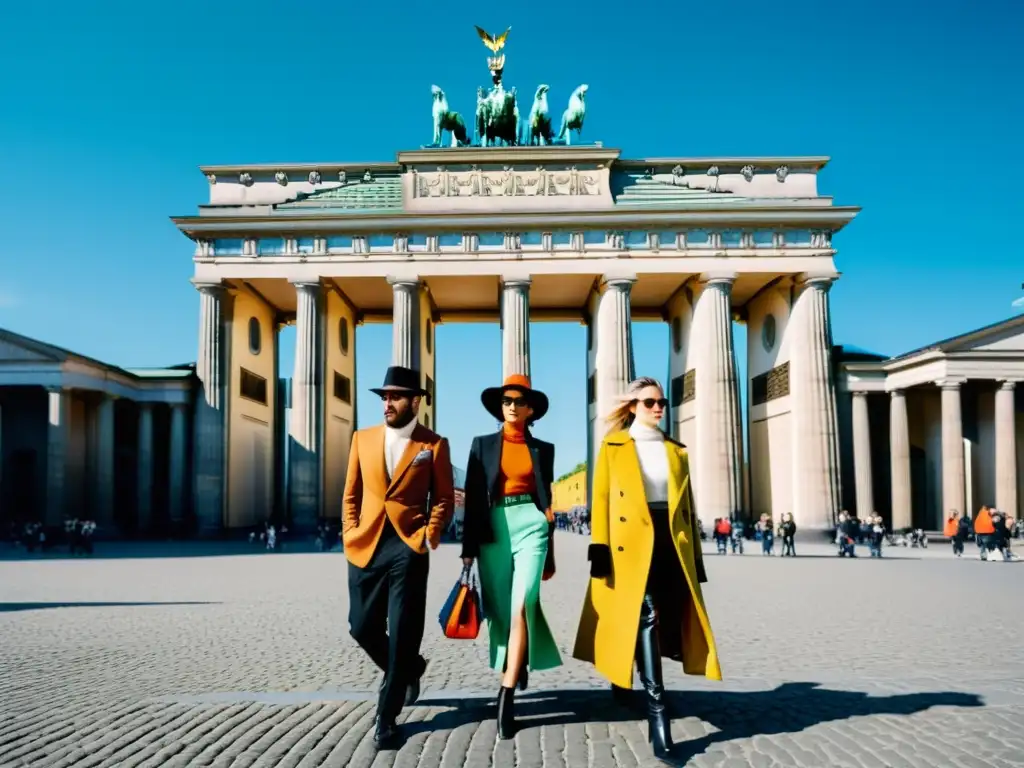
column 387, row 607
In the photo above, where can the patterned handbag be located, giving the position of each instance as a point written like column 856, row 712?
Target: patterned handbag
column 463, row 611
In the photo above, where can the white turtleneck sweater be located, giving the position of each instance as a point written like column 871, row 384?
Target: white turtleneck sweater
column 395, row 443
column 650, row 449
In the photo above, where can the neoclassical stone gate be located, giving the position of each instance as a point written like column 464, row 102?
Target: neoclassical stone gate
column 516, row 235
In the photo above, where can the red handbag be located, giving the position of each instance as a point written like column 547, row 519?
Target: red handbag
column 463, row 612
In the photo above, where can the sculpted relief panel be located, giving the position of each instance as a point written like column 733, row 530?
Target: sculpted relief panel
column 506, row 182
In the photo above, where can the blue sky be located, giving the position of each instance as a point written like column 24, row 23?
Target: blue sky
column 107, row 109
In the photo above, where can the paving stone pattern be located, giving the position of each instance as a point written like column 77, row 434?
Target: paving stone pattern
column 218, row 655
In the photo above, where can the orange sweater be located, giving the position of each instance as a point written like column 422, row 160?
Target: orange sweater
column 516, row 463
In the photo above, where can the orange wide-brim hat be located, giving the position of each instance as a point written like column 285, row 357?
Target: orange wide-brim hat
column 491, row 397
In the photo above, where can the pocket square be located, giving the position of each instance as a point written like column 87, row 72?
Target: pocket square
column 422, row 456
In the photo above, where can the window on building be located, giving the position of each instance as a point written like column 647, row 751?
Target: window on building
column 343, row 335
column 343, row 388
column 255, row 336
column 253, row 387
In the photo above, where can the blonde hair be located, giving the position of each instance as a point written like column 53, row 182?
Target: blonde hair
column 621, row 416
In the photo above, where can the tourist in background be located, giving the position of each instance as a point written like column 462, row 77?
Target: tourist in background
column 787, row 530
column 764, row 527
column 509, row 527
column 877, row 534
column 983, row 532
column 644, row 601
column 398, row 499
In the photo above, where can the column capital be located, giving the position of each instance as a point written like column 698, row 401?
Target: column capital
column 516, row 282
column 618, row 281
column 210, row 287
column 718, row 278
column 403, row 281
column 1008, row 385
column 308, row 285
column 950, row 383
column 859, row 392
column 895, row 393
column 814, row 280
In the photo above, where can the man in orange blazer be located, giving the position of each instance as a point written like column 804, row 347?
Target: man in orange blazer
column 398, row 499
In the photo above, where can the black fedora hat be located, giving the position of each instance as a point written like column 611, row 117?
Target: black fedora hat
column 401, row 379
column 491, row 397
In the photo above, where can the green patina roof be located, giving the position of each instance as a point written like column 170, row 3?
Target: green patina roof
column 383, row 193
column 637, row 189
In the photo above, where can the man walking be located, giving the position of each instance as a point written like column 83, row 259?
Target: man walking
column 398, row 500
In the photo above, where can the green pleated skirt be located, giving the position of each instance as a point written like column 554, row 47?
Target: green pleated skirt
column 511, row 569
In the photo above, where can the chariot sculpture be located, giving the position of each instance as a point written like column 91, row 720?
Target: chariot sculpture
column 497, row 119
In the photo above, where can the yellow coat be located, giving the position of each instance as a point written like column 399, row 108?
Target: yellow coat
column 619, row 519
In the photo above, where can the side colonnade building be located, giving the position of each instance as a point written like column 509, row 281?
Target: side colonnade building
column 514, row 235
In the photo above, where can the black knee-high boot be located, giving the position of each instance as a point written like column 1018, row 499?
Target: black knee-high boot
column 506, row 713
column 649, row 666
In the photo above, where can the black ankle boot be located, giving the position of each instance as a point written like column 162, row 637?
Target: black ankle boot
column 649, row 665
column 506, row 713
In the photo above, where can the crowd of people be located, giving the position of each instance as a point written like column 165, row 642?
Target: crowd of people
column 76, row 535
column 991, row 530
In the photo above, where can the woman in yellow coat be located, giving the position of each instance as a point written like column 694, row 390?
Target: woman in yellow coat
column 644, row 601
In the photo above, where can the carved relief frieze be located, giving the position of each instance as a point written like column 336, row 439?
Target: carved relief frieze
column 314, row 177
column 245, row 179
column 781, row 173
column 748, row 172
column 616, row 239
column 281, row 178
column 249, row 245
column 507, row 182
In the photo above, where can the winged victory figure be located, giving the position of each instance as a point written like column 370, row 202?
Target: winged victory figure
column 492, row 42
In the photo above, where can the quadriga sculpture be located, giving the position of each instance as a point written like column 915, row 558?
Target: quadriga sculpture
column 572, row 118
column 447, row 120
column 497, row 117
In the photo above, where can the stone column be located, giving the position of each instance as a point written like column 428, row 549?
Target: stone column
column 1006, row 450
column 306, row 427
column 899, row 453
column 718, row 480
column 144, row 457
column 953, row 478
column 405, row 322
column 211, row 412
column 178, row 460
column 104, row 464
column 515, row 327
column 613, row 357
column 816, row 482
column 862, row 455
column 58, row 435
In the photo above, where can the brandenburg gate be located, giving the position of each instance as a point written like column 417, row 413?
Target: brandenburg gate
column 512, row 228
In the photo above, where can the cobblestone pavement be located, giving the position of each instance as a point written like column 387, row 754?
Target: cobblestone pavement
column 141, row 659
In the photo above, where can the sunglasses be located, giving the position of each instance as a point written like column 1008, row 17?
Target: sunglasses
column 650, row 402
column 518, row 402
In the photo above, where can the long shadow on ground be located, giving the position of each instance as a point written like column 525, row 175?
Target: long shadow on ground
column 13, row 607
column 789, row 708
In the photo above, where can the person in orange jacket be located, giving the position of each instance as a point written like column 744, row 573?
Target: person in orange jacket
column 983, row 531
column 952, row 532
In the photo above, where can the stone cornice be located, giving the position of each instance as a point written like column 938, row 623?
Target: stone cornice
column 833, row 218
column 229, row 171
column 728, row 164
column 590, row 154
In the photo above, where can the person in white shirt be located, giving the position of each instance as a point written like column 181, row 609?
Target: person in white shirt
column 646, row 565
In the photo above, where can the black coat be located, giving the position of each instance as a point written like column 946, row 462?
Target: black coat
column 483, row 486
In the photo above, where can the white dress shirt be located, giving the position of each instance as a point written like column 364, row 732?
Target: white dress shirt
column 395, row 443
column 650, row 449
